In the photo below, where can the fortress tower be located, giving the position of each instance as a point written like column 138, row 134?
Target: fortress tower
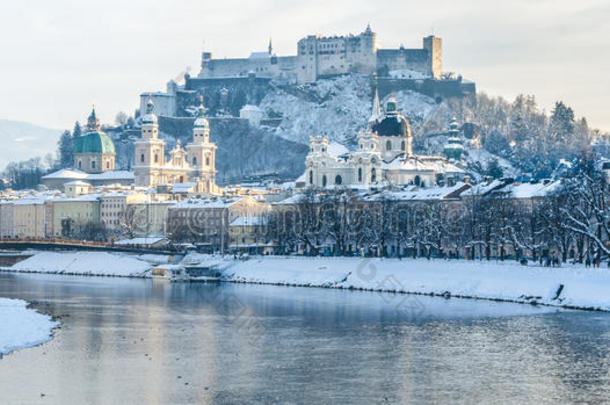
column 434, row 46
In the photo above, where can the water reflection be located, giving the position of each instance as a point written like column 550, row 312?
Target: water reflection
column 130, row 341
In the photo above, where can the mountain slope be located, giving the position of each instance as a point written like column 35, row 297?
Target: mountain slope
column 22, row 140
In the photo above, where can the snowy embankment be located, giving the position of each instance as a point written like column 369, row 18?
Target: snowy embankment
column 21, row 326
column 83, row 263
column 507, row 281
column 568, row 286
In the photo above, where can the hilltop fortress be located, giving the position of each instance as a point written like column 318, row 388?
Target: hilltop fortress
column 319, row 56
column 229, row 85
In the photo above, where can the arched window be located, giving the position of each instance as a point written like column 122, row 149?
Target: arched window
column 388, row 145
column 108, row 164
column 360, row 174
column 373, row 175
column 324, row 181
column 156, row 158
column 338, row 180
column 311, row 177
column 142, row 157
column 195, row 161
column 403, row 146
column 207, row 160
column 417, row 180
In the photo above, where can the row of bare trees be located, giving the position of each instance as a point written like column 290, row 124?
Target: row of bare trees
column 570, row 221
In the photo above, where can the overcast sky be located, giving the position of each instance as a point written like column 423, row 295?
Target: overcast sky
column 59, row 57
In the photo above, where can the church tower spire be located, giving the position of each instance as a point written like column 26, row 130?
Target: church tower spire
column 93, row 123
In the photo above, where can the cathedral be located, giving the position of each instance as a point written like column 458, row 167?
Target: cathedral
column 384, row 157
column 94, row 151
column 193, row 164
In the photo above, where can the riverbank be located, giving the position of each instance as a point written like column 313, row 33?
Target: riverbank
column 22, row 326
column 570, row 286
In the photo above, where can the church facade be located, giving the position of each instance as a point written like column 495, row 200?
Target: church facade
column 384, row 157
column 196, row 163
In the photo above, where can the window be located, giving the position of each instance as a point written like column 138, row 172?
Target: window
column 402, row 146
column 417, row 180
column 311, row 177
column 388, row 145
column 142, row 157
column 156, row 158
column 80, row 164
column 207, row 160
column 373, row 175
column 108, row 164
column 195, row 161
column 93, row 164
column 360, row 174
column 324, row 181
column 338, row 180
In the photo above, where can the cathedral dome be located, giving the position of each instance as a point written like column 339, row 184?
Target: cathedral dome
column 149, row 118
column 94, row 142
column 392, row 123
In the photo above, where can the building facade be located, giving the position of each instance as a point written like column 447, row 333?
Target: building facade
column 206, row 221
column 196, row 163
column 384, row 157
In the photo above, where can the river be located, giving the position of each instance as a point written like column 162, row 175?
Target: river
column 130, row 341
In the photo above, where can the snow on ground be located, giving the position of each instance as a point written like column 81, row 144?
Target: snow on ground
column 86, row 263
column 22, row 327
column 584, row 288
column 510, row 281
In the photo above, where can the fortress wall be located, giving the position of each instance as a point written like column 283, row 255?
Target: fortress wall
column 395, row 59
column 430, row 87
column 226, row 94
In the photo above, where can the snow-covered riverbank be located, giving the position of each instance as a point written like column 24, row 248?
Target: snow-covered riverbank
column 508, row 281
column 21, row 326
column 569, row 286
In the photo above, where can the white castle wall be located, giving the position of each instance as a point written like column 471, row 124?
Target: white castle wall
column 321, row 56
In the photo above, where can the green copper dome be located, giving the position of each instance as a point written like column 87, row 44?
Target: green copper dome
column 94, row 142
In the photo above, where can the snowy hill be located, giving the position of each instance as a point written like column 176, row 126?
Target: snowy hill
column 337, row 108
column 22, row 140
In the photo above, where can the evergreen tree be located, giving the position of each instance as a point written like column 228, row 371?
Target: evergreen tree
column 77, row 131
column 65, row 150
column 494, row 169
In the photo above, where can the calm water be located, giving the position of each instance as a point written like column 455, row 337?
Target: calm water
column 139, row 341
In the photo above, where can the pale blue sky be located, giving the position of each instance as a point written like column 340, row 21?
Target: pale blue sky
column 59, row 57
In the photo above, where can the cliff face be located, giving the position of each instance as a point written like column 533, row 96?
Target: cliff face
column 243, row 150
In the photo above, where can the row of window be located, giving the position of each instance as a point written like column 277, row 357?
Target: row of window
column 93, row 164
column 156, row 159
